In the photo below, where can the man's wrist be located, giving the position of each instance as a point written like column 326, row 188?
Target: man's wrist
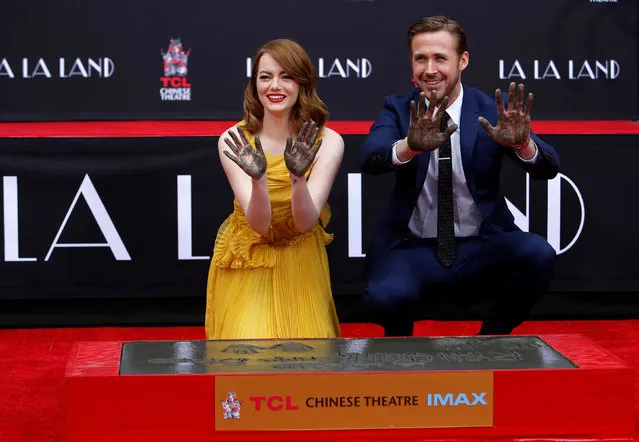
column 527, row 152
column 526, row 144
column 404, row 152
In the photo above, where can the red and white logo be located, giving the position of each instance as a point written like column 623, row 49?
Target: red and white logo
column 175, row 83
column 231, row 406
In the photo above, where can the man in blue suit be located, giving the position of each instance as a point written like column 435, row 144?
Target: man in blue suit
column 447, row 226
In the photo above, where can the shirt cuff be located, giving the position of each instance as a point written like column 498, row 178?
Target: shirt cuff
column 395, row 160
column 532, row 160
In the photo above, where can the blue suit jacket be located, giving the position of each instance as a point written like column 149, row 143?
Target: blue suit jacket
column 481, row 158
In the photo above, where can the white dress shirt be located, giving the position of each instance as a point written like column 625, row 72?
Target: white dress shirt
column 423, row 222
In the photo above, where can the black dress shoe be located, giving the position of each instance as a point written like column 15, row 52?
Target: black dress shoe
column 495, row 328
column 399, row 328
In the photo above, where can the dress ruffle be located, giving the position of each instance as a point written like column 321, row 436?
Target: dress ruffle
column 238, row 246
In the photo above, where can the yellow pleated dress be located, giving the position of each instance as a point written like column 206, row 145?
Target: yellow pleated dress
column 275, row 285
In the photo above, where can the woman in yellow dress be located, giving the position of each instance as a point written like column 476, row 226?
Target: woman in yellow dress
column 269, row 276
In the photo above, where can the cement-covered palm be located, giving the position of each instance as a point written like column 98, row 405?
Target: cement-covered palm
column 300, row 153
column 513, row 125
column 424, row 133
column 251, row 159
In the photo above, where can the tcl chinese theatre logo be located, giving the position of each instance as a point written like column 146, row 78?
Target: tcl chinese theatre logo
column 175, row 83
column 231, row 406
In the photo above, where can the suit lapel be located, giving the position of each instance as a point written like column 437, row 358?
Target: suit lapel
column 468, row 128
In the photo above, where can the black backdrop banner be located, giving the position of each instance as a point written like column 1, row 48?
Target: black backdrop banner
column 96, row 60
column 137, row 217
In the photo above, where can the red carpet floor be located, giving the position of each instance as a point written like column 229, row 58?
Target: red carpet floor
column 33, row 361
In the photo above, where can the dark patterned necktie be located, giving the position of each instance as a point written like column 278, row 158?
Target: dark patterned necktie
column 446, row 247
